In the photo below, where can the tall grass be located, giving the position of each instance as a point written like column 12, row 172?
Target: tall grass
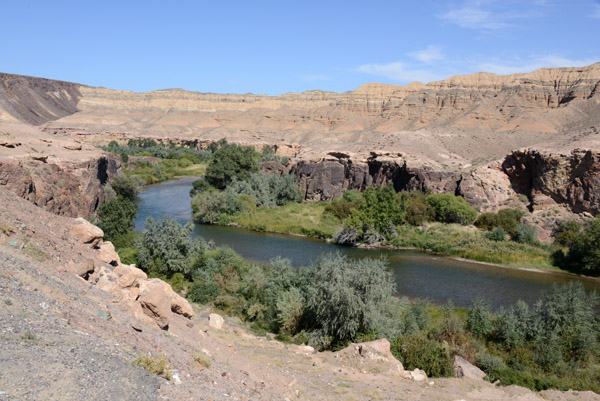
column 293, row 218
column 471, row 243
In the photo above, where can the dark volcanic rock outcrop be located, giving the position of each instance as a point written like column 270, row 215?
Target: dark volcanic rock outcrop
column 327, row 179
column 572, row 179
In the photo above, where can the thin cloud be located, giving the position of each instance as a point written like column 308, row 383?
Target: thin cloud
column 492, row 15
column 428, row 55
column 472, row 17
column 596, row 13
column 398, row 71
column 532, row 63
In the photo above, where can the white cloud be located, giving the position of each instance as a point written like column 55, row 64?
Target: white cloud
column 428, row 55
column 532, row 63
column 398, row 71
column 474, row 17
column 493, row 15
column 596, row 12
column 314, row 77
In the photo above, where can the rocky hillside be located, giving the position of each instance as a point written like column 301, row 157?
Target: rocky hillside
column 74, row 319
column 36, row 100
column 546, row 100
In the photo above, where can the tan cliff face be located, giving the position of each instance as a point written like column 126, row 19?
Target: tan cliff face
column 451, row 135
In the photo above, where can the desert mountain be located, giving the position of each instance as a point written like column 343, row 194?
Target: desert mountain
column 461, row 119
column 452, row 135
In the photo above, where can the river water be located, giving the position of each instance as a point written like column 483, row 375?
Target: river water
column 417, row 275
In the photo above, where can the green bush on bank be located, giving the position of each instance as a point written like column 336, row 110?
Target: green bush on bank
column 583, row 244
column 116, row 215
column 450, row 208
column 553, row 344
column 508, row 219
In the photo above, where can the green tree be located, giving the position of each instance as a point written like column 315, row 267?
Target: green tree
column 116, row 217
column 380, row 208
column 584, row 252
column 231, row 161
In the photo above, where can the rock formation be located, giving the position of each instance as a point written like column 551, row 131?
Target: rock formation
column 446, row 136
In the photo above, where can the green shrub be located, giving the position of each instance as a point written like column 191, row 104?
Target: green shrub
column 486, row 221
column 340, row 208
column 156, row 366
column 489, row 363
column 165, row 248
column 497, row 234
column 566, row 233
column 198, row 186
column 290, row 307
column 269, row 190
column 449, row 208
column 352, row 195
column 509, row 219
column 514, row 326
column 345, row 296
column 480, row 320
column 379, row 211
column 568, row 313
column 210, row 206
column 116, row 217
column 418, row 211
column 584, row 253
column 415, row 318
column 126, row 187
column 525, row 234
column 418, row 351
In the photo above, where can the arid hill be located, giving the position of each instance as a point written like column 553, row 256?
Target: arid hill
column 452, row 135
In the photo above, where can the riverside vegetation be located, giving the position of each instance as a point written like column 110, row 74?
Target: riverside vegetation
column 337, row 300
column 234, row 191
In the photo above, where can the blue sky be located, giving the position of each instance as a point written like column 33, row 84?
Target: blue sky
column 276, row 47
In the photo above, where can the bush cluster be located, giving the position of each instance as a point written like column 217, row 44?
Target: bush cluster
column 116, row 215
column 261, row 190
column 508, row 219
column 149, row 147
column 375, row 216
column 583, row 244
column 559, row 331
column 230, row 161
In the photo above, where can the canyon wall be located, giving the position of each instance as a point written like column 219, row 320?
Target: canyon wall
column 446, row 136
column 68, row 189
column 571, row 180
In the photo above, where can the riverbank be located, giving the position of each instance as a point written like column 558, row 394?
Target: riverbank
column 165, row 170
column 466, row 242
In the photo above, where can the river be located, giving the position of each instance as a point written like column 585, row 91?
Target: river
column 417, row 274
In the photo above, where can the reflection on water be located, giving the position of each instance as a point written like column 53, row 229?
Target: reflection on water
column 418, row 275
